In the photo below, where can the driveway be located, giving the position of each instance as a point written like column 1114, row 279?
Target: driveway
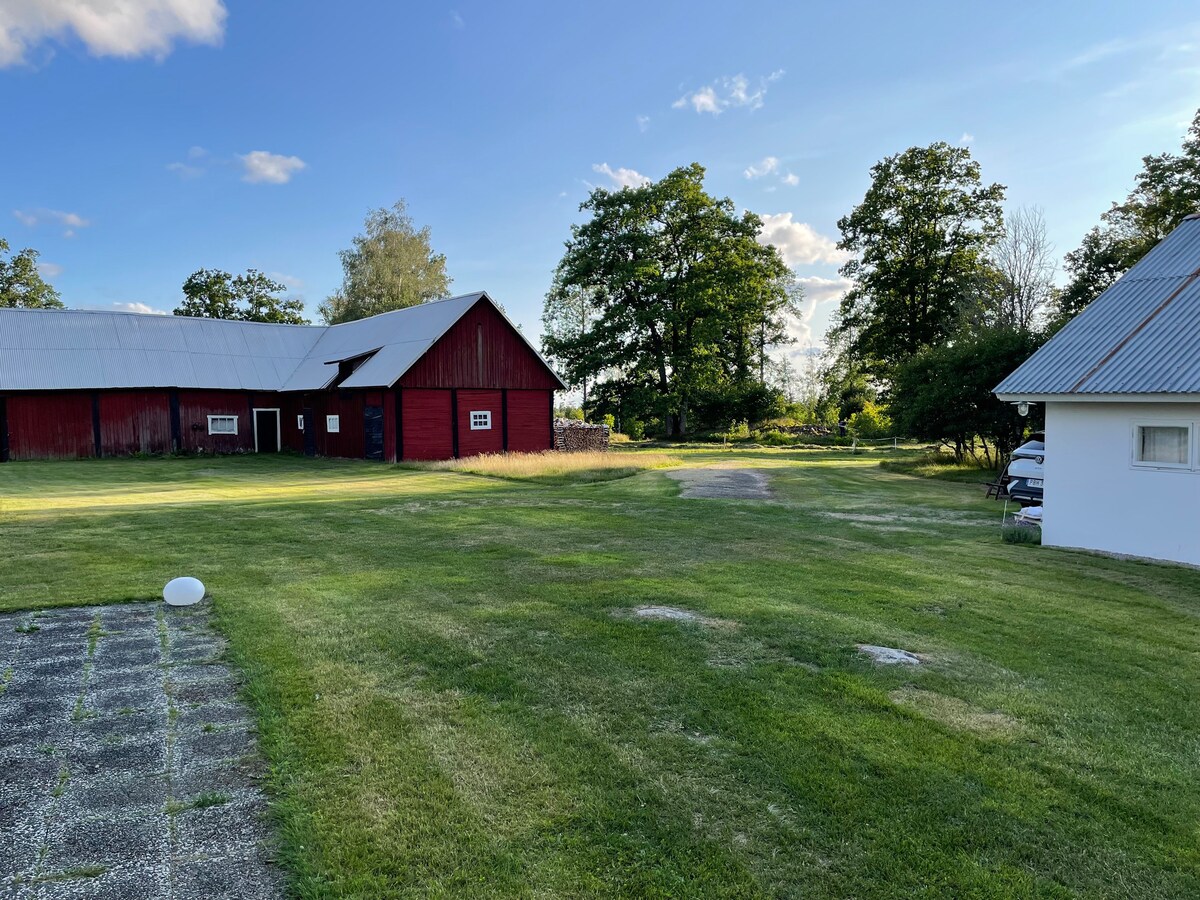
column 128, row 767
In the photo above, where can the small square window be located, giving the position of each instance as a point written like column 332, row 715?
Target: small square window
column 300, row 422
column 222, row 425
column 333, row 424
column 481, row 420
column 1162, row 445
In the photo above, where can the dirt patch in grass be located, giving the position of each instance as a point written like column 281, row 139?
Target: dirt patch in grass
column 674, row 614
column 722, row 484
column 955, row 713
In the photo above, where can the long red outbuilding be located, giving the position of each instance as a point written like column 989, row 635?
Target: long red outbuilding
column 435, row 381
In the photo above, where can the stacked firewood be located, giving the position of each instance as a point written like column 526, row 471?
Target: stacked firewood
column 573, row 436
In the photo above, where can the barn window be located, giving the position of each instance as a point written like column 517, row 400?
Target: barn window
column 481, row 420
column 222, row 425
column 1163, row 445
column 333, row 424
column 300, row 422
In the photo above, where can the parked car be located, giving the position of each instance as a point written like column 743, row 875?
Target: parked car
column 1023, row 479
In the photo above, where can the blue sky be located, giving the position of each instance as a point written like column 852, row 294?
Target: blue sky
column 196, row 133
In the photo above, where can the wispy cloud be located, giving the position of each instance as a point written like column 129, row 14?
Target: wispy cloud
column 766, row 167
column 139, row 308
column 817, row 292
column 967, row 139
column 622, row 178
column 49, row 269
column 68, row 220
column 456, row 19
column 127, row 29
column 261, row 167
column 790, row 180
column 728, row 92
column 799, row 242
column 643, row 123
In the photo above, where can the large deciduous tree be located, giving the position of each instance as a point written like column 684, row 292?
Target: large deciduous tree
column 21, row 284
column 681, row 303
column 391, row 265
column 1165, row 190
column 252, row 297
column 920, row 240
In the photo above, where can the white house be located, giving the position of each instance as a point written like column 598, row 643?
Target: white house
column 1121, row 388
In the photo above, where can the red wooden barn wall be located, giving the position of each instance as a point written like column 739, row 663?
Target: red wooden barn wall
column 481, row 350
column 426, row 424
column 194, row 409
column 134, row 422
column 491, row 440
column 50, row 426
column 529, row 420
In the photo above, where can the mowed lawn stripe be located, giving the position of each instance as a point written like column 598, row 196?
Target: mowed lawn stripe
column 456, row 697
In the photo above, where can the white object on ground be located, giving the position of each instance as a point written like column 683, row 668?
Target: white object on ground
column 183, row 591
column 1034, row 513
column 665, row 612
column 889, row 656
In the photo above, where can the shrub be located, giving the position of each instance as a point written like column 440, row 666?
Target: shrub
column 611, row 421
column 871, row 421
column 738, row 431
column 636, row 429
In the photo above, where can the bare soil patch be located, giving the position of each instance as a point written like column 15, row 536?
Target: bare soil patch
column 722, row 484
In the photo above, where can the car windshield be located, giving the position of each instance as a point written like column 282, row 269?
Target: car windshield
column 1032, row 447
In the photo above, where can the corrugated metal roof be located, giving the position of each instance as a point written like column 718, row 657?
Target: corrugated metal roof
column 93, row 349
column 1141, row 336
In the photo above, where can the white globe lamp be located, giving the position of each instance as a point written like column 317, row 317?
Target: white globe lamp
column 183, row 591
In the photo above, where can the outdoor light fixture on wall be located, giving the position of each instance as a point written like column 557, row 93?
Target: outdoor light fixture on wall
column 1023, row 408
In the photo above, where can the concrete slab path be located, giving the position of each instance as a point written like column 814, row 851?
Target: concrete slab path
column 128, row 767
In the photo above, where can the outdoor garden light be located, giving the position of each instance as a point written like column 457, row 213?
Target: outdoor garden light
column 183, row 591
column 1023, row 408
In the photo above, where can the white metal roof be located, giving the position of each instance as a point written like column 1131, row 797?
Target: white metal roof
column 95, row 349
column 1141, row 336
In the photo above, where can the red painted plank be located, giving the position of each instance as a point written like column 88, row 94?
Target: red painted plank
column 194, row 409
column 50, row 426
column 425, row 419
column 529, row 421
column 481, row 350
column 135, row 422
column 489, row 440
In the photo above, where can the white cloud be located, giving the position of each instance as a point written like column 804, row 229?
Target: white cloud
column 49, row 269
column 138, row 308
column 622, row 178
column 799, row 242
column 724, row 93
column 197, row 153
column 817, row 292
column 456, row 19
column 967, row 138
column 183, row 170
column 791, row 180
column 766, row 167
column 643, row 123
column 290, row 281
column 68, row 220
column 122, row 28
column 262, row 167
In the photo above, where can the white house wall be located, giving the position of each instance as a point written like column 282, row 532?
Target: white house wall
column 1096, row 499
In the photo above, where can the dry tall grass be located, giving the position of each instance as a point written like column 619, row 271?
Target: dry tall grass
column 552, row 465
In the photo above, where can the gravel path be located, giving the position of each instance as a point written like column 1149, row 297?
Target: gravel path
column 722, row 484
column 128, row 767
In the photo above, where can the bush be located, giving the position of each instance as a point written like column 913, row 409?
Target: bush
column 738, row 431
column 871, row 421
column 611, row 421
column 636, row 430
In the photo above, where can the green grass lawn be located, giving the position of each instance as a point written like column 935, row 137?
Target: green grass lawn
column 456, row 701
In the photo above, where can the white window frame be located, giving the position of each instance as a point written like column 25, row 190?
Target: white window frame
column 333, row 424
column 300, row 421
column 278, row 426
column 235, row 424
column 1193, row 456
column 485, row 422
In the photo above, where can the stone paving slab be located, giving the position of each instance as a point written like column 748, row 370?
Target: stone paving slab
column 129, row 768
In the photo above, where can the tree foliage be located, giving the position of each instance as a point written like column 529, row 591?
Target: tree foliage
column 944, row 393
column 681, row 304
column 21, row 284
column 252, row 297
column 921, row 238
column 391, row 265
column 1165, row 191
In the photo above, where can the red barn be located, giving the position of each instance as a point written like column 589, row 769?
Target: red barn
column 439, row 380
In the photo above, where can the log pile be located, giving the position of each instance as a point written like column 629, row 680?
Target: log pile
column 573, row 436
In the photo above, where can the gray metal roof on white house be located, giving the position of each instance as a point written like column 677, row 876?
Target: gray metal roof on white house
column 94, row 349
column 1141, row 336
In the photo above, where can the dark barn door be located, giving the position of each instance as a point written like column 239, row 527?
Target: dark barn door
column 373, row 431
column 266, row 430
column 310, row 432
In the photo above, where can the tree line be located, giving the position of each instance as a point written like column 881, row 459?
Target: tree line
column 666, row 313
